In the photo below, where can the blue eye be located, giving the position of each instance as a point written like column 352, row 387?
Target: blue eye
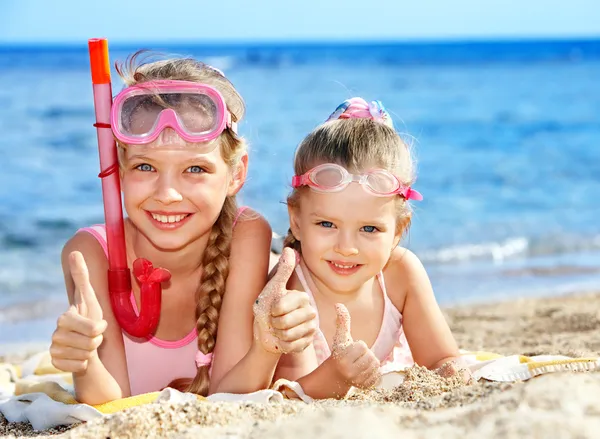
column 195, row 169
column 369, row 229
column 144, row 167
column 326, row 224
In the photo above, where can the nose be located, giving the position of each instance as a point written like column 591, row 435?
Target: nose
column 345, row 244
column 166, row 191
column 169, row 137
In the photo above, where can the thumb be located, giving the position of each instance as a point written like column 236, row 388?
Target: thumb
column 342, row 337
column 276, row 287
column 285, row 268
column 85, row 298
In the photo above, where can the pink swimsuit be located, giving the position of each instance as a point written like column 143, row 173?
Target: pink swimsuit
column 149, row 365
column 390, row 347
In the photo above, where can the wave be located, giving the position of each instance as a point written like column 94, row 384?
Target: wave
column 510, row 248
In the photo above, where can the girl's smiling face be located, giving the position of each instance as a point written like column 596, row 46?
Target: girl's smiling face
column 175, row 195
column 346, row 237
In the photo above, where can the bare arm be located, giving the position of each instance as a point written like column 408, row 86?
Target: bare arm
column 240, row 365
column 325, row 382
column 427, row 332
column 105, row 378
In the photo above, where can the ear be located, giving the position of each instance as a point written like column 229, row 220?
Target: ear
column 400, row 232
column 239, row 176
column 121, row 175
column 397, row 239
column 294, row 215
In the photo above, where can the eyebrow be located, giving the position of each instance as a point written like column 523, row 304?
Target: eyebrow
column 139, row 157
column 198, row 159
column 320, row 215
column 370, row 222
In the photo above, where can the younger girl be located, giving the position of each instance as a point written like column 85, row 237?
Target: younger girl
column 348, row 211
column 179, row 184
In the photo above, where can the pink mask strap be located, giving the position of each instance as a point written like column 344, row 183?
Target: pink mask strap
column 412, row 194
column 203, row 359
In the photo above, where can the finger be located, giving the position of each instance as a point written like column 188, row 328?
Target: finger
column 366, row 370
column 69, row 365
column 447, row 369
column 276, row 287
column 285, row 268
column 85, row 297
column 367, row 361
column 306, row 329
column 68, row 353
column 71, row 321
column 351, row 353
column 342, row 337
column 372, row 379
column 75, row 340
column 290, row 301
column 294, row 318
column 295, row 346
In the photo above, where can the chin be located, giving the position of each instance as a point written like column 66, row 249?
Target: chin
column 348, row 283
column 170, row 241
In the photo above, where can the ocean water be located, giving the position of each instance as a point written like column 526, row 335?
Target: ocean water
column 505, row 134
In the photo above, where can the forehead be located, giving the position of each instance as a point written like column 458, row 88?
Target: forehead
column 352, row 204
column 173, row 153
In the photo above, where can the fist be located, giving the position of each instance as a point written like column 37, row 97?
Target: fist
column 355, row 362
column 79, row 330
column 284, row 320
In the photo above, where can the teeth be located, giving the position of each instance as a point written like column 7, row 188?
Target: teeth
column 168, row 218
column 344, row 266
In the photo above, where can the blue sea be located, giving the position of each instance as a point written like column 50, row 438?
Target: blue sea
column 506, row 136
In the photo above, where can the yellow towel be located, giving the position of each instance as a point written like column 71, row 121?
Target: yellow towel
column 50, row 388
column 45, row 366
column 125, row 403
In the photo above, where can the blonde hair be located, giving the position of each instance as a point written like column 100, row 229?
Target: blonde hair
column 215, row 261
column 356, row 144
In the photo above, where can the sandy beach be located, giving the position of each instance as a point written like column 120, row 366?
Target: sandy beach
column 559, row 405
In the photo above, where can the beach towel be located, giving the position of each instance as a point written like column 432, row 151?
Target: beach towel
column 36, row 392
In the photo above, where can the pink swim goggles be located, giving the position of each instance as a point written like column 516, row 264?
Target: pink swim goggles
column 331, row 177
column 196, row 112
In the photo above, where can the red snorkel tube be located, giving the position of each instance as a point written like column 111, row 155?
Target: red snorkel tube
column 119, row 278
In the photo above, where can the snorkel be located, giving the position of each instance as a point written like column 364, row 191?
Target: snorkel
column 119, row 276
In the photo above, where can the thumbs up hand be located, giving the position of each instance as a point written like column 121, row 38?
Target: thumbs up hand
column 79, row 330
column 355, row 362
column 284, row 320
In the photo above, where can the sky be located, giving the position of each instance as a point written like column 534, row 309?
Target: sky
column 127, row 21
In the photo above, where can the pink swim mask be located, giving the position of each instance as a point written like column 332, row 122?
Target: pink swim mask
column 330, row 177
column 196, row 112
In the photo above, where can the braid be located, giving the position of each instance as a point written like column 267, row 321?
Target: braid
column 210, row 293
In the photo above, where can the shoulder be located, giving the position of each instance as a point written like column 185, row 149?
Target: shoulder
column 404, row 275
column 251, row 239
column 88, row 246
column 250, row 223
column 94, row 256
column 404, row 262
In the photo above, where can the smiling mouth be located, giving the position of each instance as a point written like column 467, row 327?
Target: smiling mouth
column 343, row 266
column 169, row 219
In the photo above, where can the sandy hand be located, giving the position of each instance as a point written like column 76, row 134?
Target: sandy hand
column 452, row 368
column 79, row 330
column 284, row 320
column 355, row 362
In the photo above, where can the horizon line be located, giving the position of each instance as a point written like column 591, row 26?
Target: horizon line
column 116, row 43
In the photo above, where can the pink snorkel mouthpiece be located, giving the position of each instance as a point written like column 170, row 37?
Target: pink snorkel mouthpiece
column 119, row 276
